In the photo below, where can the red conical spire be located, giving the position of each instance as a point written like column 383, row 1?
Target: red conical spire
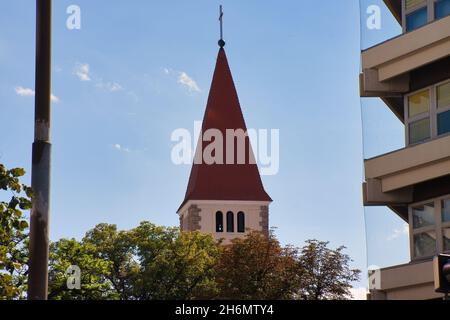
column 224, row 181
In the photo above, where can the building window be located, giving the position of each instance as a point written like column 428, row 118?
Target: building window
column 419, row 131
column 423, row 225
column 443, row 108
column 445, row 217
column 425, row 244
column 419, row 103
column 416, row 19
column 219, row 221
column 427, row 113
column 430, row 227
column 241, row 222
column 446, row 239
column 423, row 216
column 441, row 9
column 446, row 210
column 230, row 221
column 412, row 4
column 419, row 116
column 443, row 120
column 417, row 13
column 443, row 95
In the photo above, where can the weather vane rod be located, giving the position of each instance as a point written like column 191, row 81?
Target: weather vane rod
column 221, row 42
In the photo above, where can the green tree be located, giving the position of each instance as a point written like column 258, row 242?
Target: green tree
column 257, row 267
column 119, row 248
column 148, row 262
column 326, row 273
column 13, row 234
column 94, row 283
column 174, row 264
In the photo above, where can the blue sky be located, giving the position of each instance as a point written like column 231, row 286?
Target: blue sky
column 116, row 82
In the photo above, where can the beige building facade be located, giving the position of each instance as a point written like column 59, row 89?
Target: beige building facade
column 411, row 74
column 223, row 219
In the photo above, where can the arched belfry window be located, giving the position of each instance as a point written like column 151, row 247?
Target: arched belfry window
column 230, row 221
column 219, row 221
column 241, row 222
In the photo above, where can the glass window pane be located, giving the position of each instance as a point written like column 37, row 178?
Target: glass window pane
column 443, row 95
column 241, row 222
column 230, row 221
column 419, row 130
column 446, row 234
column 423, row 216
column 416, row 19
column 442, row 8
column 219, row 221
column 425, row 244
column 412, row 3
column 443, row 120
column 446, row 210
column 419, row 103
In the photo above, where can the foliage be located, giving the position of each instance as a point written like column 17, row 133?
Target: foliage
column 174, row 265
column 256, row 268
column 118, row 249
column 94, row 283
column 326, row 274
column 145, row 263
column 13, row 234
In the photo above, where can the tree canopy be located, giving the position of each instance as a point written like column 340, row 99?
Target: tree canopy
column 326, row 274
column 258, row 267
column 13, row 233
column 152, row 262
column 144, row 263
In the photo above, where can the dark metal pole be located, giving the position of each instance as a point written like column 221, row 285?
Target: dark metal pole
column 40, row 177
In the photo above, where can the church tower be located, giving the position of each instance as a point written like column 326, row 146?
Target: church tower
column 225, row 199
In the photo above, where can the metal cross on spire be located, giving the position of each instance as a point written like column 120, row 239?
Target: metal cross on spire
column 221, row 41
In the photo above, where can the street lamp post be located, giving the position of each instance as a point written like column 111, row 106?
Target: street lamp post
column 40, row 177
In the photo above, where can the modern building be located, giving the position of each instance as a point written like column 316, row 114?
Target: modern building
column 225, row 198
column 411, row 74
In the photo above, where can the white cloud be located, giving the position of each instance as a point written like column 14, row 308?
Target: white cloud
column 28, row 92
column 82, row 72
column 404, row 231
column 188, row 82
column 184, row 79
column 120, row 148
column 358, row 293
column 24, row 92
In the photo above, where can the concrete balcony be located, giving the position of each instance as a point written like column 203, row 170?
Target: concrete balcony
column 386, row 67
column 412, row 281
column 390, row 177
